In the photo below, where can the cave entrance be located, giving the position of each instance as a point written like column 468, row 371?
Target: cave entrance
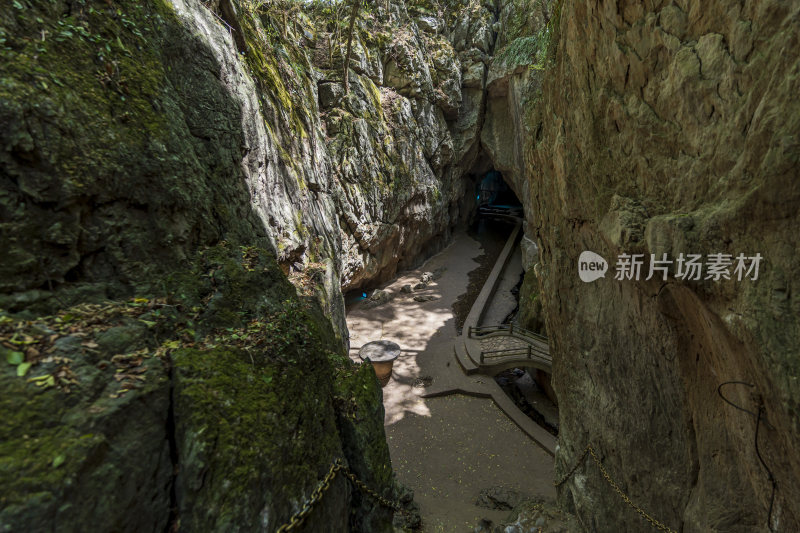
column 355, row 296
column 495, row 198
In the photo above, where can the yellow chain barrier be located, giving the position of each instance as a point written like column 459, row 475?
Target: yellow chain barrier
column 364, row 488
column 590, row 451
column 299, row 517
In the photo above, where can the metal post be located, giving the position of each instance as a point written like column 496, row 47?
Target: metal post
column 481, row 357
column 511, row 329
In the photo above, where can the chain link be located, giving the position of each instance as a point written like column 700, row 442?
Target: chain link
column 364, row 488
column 299, row 517
column 590, row 451
column 574, row 468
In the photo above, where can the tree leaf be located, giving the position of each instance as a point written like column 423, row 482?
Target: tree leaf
column 14, row 358
column 58, row 461
column 23, row 368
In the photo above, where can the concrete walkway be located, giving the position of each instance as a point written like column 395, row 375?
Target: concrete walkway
column 503, row 302
column 447, row 449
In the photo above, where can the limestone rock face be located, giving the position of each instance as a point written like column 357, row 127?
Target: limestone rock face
column 346, row 189
column 197, row 128
column 673, row 128
column 401, row 148
column 358, row 186
column 513, row 81
column 166, row 163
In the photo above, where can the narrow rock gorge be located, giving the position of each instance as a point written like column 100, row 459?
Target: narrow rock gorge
column 189, row 188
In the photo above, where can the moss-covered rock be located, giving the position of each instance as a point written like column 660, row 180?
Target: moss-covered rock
column 360, row 417
column 116, row 162
column 149, row 153
column 215, row 408
column 255, row 436
column 84, row 438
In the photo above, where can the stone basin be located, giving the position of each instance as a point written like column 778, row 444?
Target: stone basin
column 382, row 355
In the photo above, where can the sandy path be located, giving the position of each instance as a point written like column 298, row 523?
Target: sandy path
column 445, row 449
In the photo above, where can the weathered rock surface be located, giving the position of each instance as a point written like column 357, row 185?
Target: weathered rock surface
column 146, row 154
column 672, row 127
column 532, row 516
column 501, row 498
column 347, row 188
column 136, row 138
column 402, row 145
column 221, row 405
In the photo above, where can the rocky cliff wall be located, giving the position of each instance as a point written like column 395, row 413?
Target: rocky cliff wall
column 159, row 370
column 403, row 141
column 672, row 127
column 345, row 189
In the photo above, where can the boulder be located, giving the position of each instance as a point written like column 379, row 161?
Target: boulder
column 500, row 498
column 428, row 24
column 380, row 296
column 330, row 94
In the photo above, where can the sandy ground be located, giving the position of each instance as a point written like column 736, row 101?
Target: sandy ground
column 445, row 449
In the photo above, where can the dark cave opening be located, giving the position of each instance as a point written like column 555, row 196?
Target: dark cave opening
column 492, row 192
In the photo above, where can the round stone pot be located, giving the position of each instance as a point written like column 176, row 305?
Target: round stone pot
column 382, row 355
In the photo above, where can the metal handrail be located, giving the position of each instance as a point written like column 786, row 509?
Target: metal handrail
column 533, row 349
column 478, row 330
column 529, row 352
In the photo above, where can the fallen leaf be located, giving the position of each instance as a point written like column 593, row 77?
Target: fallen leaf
column 22, row 369
column 14, row 357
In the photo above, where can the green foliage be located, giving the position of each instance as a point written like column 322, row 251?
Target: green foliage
column 535, row 50
column 521, row 51
column 550, row 37
column 279, row 66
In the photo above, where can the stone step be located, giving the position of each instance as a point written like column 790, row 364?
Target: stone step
column 463, row 356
